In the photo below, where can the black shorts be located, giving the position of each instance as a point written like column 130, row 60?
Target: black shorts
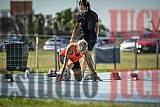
column 76, row 65
column 91, row 44
column 91, row 41
column 90, row 37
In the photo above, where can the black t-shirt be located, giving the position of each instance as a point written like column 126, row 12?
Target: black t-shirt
column 88, row 21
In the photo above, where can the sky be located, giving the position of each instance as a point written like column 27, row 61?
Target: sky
column 102, row 7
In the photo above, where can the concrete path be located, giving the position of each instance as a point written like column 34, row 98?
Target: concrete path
column 126, row 90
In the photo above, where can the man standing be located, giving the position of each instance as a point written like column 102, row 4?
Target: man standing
column 87, row 27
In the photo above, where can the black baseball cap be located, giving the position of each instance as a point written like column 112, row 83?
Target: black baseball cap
column 84, row 2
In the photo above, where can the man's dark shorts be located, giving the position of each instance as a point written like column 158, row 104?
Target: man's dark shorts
column 91, row 44
column 90, row 38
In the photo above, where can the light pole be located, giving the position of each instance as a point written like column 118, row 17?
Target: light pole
column 76, row 4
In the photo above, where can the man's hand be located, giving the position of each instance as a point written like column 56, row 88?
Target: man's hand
column 72, row 40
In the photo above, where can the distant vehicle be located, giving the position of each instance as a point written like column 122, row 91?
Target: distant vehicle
column 19, row 39
column 128, row 45
column 51, row 43
column 104, row 42
column 147, row 44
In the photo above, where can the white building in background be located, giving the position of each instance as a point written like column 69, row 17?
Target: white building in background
column 18, row 17
column 5, row 13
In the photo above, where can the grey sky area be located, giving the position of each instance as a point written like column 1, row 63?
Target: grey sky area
column 102, row 7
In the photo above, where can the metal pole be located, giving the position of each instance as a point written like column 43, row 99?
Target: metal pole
column 114, row 56
column 76, row 4
column 157, row 50
column 37, row 65
column 55, row 53
column 135, row 48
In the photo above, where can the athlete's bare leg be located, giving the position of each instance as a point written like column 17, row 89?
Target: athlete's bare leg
column 70, row 65
column 77, row 74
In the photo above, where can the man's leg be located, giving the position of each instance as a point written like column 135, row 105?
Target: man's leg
column 84, row 62
column 84, row 65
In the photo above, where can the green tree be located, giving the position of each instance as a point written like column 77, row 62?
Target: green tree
column 64, row 22
column 102, row 28
column 39, row 24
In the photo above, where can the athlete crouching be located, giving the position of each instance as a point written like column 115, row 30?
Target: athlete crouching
column 71, row 56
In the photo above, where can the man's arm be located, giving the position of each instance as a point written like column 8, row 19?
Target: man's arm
column 75, row 32
column 97, row 29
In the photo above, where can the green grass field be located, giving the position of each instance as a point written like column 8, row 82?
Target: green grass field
column 145, row 61
column 127, row 62
column 26, row 102
column 46, row 61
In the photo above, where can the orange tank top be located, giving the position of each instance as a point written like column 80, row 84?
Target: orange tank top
column 74, row 56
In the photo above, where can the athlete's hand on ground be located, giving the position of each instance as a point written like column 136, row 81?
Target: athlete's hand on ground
column 59, row 77
column 97, row 78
